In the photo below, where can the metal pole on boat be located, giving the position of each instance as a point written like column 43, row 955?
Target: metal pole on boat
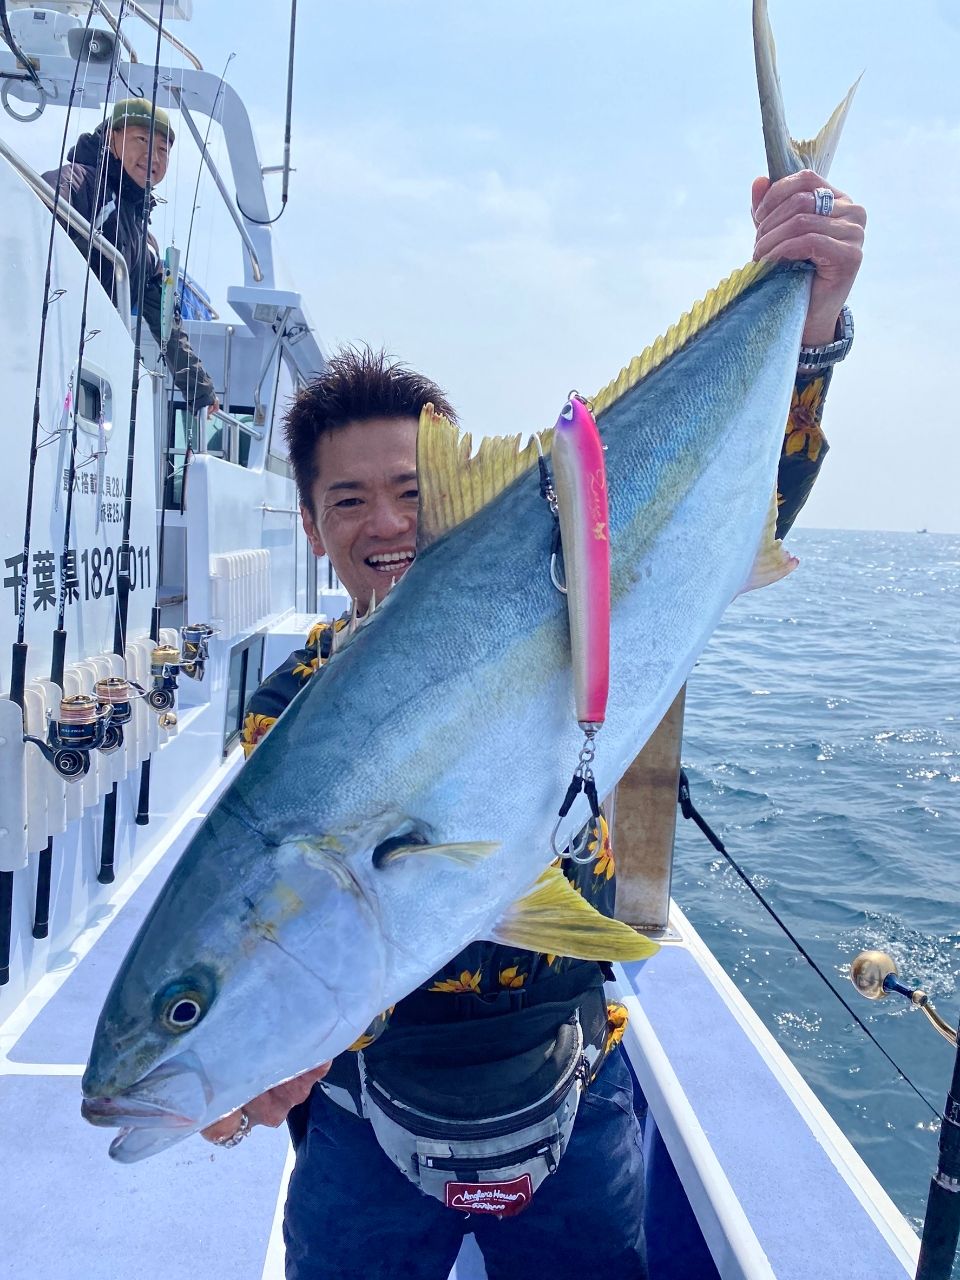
column 941, row 1223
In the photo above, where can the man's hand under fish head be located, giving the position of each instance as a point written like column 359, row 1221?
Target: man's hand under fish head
column 270, row 1108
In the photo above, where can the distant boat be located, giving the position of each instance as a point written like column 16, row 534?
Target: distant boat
column 923, row 531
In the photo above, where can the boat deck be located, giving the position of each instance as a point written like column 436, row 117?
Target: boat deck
column 743, row 1165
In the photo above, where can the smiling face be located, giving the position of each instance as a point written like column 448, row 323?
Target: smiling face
column 364, row 503
column 131, row 146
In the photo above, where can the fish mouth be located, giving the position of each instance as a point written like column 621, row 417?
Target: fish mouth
column 168, row 1104
column 113, row 1113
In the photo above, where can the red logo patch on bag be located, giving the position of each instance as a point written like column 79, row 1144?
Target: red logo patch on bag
column 502, row 1198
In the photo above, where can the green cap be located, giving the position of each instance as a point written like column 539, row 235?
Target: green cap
column 137, row 111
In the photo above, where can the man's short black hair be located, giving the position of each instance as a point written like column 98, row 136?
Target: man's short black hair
column 357, row 384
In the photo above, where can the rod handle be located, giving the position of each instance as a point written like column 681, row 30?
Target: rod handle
column 143, row 801
column 41, row 915
column 108, row 843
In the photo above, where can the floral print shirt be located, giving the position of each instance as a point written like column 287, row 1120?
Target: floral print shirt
column 488, row 971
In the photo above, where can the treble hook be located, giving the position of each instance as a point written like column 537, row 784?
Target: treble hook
column 582, row 780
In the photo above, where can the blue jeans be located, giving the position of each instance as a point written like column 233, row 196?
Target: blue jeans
column 352, row 1215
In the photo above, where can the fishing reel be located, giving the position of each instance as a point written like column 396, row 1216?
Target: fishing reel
column 82, row 727
column 195, row 641
column 165, row 663
column 874, row 974
column 114, row 694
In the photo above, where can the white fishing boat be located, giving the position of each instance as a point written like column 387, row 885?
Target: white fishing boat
column 747, row 1175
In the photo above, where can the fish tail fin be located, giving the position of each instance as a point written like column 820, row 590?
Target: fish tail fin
column 773, row 561
column 784, row 154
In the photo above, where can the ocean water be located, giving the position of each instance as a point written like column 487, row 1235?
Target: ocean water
column 822, row 742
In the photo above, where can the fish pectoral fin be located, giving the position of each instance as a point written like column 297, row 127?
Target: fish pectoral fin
column 463, row 854
column 773, row 561
column 454, row 482
column 555, row 919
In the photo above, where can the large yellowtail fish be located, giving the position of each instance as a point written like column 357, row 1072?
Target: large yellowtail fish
column 403, row 805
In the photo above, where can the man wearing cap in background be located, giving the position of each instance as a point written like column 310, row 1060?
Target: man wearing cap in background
column 114, row 206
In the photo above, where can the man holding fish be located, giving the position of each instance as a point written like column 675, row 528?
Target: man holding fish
column 399, row 811
column 357, row 471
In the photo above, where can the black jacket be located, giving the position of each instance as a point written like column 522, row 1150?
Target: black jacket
column 123, row 200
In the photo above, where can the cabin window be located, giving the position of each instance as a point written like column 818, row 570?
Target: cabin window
column 246, row 664
column 93, row 400
column 203, row 434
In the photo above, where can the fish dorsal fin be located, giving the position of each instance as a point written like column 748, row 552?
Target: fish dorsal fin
column 773, row 561
column 455, row 485
column 356, row 622
column 678, row 335
column 554, row 918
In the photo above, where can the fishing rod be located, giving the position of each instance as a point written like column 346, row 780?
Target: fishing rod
column 88, row 724
column 268, row 222
column 143, row 798
column 941, row 1223
column 18, row 665
column 874, row 975
column 105, row 874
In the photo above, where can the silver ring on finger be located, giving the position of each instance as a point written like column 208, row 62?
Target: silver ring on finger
column 823, row 201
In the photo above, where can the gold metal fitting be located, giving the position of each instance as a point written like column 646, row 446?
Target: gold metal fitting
column 165, row 654
column 79, row 708
column 167, row 720
column 869, row 971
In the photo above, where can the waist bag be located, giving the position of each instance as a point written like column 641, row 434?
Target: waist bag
column 479, row 1113
column 488, row 1165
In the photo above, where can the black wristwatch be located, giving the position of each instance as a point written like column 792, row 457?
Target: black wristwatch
column 813, row 359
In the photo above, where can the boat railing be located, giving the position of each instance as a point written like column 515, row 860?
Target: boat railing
column 154, row 25
column 71, row 218
column 229, row 202
column 233, row 429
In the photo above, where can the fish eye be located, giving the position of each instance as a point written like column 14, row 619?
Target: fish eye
column 182, row 1013
column 182, row 1004
column 567, row 411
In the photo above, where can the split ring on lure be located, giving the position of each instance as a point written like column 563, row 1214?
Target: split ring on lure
column 580, row 494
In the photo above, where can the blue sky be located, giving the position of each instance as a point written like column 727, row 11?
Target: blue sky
column 517, row 197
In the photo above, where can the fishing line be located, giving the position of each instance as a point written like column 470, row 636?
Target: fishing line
column 168, row 468
column 268, row 222
column 689, row 811
column 214, row 115
column 100, row 189
column 108, row 841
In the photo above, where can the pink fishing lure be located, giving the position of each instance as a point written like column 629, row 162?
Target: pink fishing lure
column 580, row 481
